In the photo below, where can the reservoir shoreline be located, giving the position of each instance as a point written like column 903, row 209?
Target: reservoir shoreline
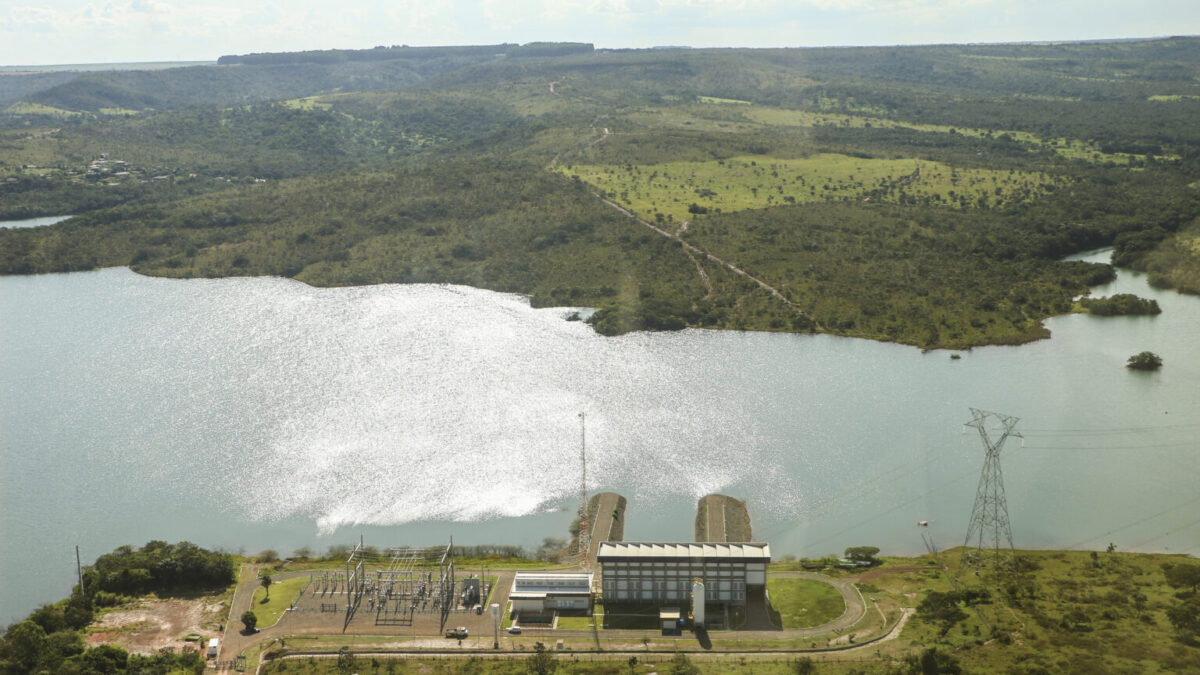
column 263, row 413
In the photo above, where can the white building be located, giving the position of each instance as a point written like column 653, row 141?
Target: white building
column 544, row 592
column 662, row 573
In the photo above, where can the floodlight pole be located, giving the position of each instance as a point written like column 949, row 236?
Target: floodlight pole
column 585, row 531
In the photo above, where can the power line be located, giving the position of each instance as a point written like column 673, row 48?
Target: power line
column 1168, row 532
column 848, row 494
column 1191, row 444
column 884, row 512
column 1136, row 522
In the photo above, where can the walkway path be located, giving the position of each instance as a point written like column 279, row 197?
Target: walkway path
column 602, row 521
column 691, row 249
column 714, row 518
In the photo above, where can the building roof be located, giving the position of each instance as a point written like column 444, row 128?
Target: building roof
column 541, row 584
column 727, row 552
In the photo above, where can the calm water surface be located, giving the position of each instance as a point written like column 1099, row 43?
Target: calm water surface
column 260, row 413
column 33, row 222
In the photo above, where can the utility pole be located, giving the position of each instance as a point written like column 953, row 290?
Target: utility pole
column 989, row 527
column 79, row 571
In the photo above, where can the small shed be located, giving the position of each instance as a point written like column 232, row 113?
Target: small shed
column 668, row 618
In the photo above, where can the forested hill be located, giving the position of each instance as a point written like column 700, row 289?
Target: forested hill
column 916, row 194
column 264, row 77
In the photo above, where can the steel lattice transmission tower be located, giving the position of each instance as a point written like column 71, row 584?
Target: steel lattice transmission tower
column 585, row 530
column 989, row 530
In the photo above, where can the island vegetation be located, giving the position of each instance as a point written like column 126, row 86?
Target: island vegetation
column 922, row 195
column 1121, row 304
column 1144, row 361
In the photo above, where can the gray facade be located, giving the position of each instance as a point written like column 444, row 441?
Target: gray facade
column 662, row 573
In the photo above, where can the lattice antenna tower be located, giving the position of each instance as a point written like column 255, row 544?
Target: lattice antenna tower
column 989, row 531
column 585, row 531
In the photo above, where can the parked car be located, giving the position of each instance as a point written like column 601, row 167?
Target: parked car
column 514, row 630
column 460, row 632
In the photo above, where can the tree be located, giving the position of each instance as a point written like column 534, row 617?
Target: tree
column 942, row 608
column 1144, row 361
column 105, row 659
column 682, row 665
column 249, row 620
column 931, row 662
column 25, row 643
column 804, row 666
column 266, row 584
column 1185, row 617
column 1182, row 575
column 541, row 662
column 863, row 553
column 346, row 661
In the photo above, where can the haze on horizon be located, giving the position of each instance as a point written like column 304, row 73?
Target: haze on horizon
column 115, row 31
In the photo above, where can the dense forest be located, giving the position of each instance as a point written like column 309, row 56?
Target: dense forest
column 51, row 639
column 922, row 195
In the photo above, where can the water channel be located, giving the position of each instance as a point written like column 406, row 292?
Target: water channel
column 257, row 413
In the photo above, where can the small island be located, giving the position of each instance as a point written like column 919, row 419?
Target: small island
column 1144, row 361
column 1121, row 304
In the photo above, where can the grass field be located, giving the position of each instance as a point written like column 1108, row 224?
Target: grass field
column 682, row 190
column 1065, row 147
column 283, row 594
column 804, row 603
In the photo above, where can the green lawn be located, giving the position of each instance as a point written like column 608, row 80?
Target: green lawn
column 283, row 594
column 804, row 603
column 579, row 622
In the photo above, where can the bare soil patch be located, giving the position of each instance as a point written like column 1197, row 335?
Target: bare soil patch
column 152, row 625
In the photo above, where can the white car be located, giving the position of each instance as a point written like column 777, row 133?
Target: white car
column 514, row 630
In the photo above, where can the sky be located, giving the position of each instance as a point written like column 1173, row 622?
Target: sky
column 112, row 31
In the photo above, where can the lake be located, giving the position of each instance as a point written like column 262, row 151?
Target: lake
column 256, row 413
column 33, row 222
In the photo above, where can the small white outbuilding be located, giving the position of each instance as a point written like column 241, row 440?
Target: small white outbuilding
column 544, row 592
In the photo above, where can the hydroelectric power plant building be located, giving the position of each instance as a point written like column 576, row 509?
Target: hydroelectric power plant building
column 662, row 573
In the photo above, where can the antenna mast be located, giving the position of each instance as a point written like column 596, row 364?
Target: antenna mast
column 989, row 526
